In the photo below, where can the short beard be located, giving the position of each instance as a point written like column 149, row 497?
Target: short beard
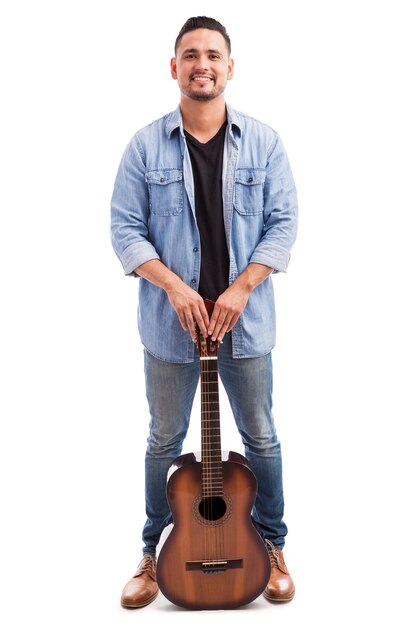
column 203, row 97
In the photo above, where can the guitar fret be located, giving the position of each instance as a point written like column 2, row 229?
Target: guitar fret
column 217, row 486
column 211, row 455
column 217, row 462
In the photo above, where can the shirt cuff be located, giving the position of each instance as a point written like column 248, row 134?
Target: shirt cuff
column 272, row 256
column 136, row 254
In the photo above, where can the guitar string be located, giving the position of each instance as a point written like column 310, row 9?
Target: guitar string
column 208, row 478
column 204, row 464
column 209, row 459
column 214, row 443
column 203, row 446
column 214, row 547
column 205, row 467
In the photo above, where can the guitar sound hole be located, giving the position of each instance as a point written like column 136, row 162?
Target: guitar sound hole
column 212, row 508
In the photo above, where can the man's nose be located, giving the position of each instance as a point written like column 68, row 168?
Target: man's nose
column 202, row 63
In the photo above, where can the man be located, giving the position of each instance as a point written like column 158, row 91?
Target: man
column 204, row 206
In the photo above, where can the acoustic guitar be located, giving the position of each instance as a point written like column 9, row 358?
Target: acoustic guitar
column 213, row 557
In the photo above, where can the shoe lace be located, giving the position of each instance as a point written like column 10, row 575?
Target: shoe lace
column 276, row 557
column 147, row 565
column 273, row 555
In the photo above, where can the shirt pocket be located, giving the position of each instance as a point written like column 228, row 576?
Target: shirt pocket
column 249, row 190
column 165, row 192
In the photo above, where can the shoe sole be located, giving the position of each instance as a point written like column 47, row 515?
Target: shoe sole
column 125, row 605
column 272, row 599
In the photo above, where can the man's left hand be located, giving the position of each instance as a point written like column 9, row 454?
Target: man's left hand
column 231, row 303
column 227, row 310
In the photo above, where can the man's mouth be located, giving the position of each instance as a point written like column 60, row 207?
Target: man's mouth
column 201, row 77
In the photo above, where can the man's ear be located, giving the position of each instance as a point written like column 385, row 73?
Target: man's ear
column 231, row 65
column 174, row 68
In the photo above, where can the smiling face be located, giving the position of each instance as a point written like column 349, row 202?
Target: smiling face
column 202, row 65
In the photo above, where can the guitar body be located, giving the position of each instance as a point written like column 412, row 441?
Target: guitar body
column 213, row 558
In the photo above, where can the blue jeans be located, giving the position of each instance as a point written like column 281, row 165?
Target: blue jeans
column 170, row 389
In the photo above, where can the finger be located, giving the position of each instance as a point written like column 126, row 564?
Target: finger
column 190, row 325
column 213, row 319
column 202, row 319
column 230, row 325
column 218, row 327
column 221, row 327
column 232, row 322
column 182, row 321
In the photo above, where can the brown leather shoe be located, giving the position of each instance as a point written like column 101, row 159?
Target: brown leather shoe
column 280, row 587
column 142, row 588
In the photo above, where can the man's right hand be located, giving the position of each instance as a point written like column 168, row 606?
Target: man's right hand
column 190, row 308
column 187, row 303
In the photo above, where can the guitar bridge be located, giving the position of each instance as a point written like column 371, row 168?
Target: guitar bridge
column 214, row 566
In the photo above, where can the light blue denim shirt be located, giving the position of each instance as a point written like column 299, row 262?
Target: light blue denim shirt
column 153, row 217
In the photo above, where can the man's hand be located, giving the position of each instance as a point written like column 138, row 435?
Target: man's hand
column 231, row 303
column 187, row 303
column 190, row 308
column 227, row 310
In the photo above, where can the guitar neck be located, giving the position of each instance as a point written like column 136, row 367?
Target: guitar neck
column 211, row 449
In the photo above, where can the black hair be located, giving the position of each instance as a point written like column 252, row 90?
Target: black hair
column 202, row 21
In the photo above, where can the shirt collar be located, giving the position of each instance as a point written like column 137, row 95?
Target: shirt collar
column 174, row 121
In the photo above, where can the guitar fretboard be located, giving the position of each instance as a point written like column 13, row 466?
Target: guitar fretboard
column 211, row 449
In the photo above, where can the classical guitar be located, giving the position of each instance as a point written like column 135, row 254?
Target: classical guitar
column 213, row 557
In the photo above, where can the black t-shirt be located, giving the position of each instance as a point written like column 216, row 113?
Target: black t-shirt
column 207, row 164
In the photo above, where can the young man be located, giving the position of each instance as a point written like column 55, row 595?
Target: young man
column 204, row 206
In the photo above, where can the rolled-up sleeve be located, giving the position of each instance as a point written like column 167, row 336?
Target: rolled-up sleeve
column 130, row 211
column 280, row 212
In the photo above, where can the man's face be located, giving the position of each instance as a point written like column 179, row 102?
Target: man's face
column 202, row 65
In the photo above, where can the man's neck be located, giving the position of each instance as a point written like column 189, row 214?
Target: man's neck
column 203, row 119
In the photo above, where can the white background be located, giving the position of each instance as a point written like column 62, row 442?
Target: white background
column 337, row 80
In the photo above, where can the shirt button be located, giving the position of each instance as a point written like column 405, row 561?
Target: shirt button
column 162, row 180
column 193, row 281
column 250, row 179
column 195, row 249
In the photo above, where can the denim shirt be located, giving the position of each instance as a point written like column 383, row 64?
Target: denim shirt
column 153, row 217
